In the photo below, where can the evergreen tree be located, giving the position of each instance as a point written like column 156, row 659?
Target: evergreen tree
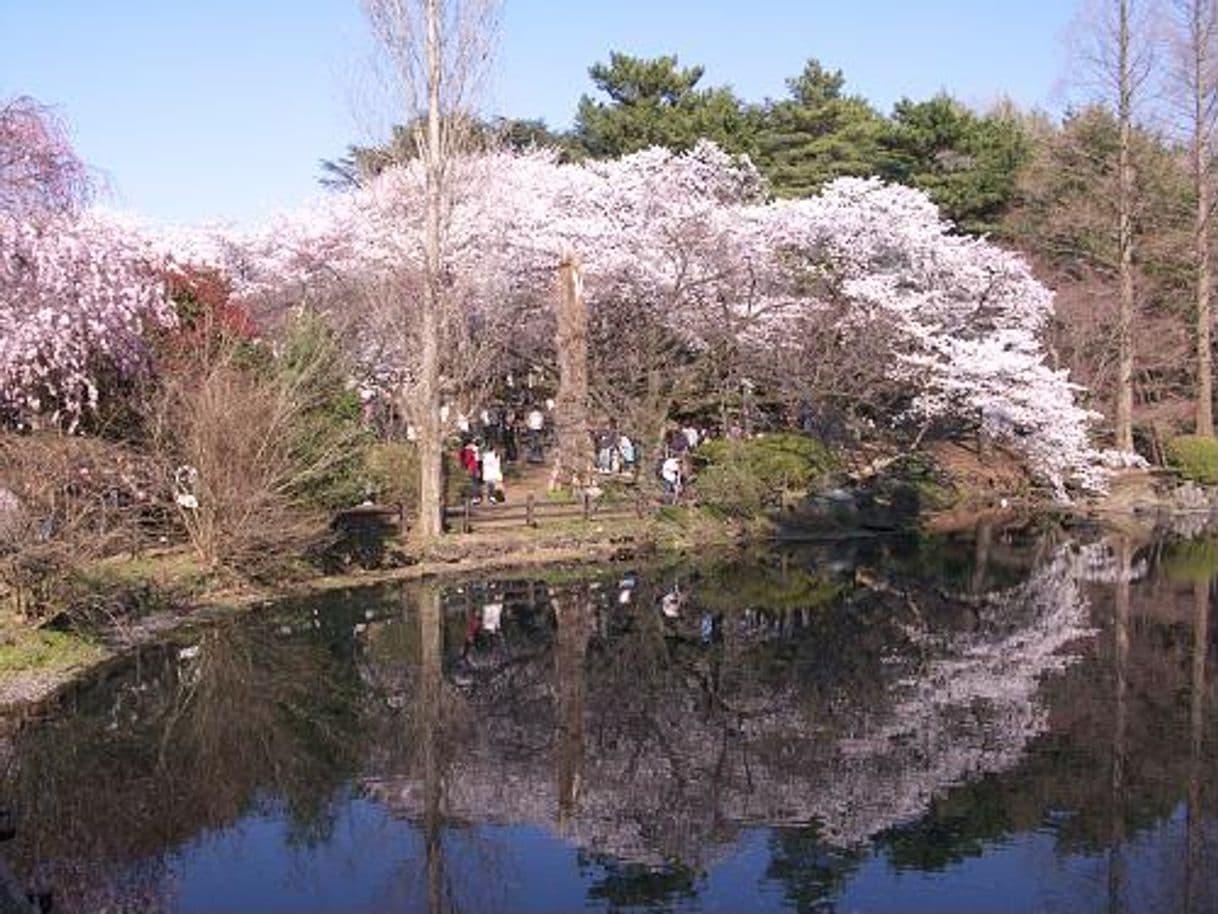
column 968, row 164
column 362, row 163
column 655, row 102
column 817, row 134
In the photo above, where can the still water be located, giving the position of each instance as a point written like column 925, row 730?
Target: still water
column 1011, row 721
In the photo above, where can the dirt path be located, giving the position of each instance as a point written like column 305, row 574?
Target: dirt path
column 525, row 479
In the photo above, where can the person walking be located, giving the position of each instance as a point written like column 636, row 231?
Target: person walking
column 670, row 475
column 471, row 462
column 536, row 422
column 625, row 447
column 492, row 476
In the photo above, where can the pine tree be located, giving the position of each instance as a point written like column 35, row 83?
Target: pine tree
column 655, row 102
column 817, row 134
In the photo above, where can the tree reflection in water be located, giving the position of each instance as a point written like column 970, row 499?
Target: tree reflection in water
column 181, row 742
column 911, row 706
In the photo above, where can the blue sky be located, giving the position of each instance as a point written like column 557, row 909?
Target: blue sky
column 221, row 109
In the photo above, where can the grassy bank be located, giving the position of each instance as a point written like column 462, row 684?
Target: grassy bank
column 173, row 593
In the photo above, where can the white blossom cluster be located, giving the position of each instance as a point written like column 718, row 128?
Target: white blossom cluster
column 691, row 236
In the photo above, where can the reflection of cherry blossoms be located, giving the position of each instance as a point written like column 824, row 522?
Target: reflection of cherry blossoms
column 1100, row 563
column 970, row 709
column 670, row 770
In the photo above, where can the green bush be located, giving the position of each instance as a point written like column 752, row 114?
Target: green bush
column 328, row 435
column 392, row 471
column 742, row 478
column 391, row 474
column 1194, row 458
column 732, row 488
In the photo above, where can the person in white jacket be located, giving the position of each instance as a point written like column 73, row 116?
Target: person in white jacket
column 492, row 475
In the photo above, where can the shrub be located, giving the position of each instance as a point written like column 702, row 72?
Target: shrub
column 1194, row 458
column 392, row 471
column 327, row 434
column 68, row 501
column 731, row 487
column 262, row 446
column 391, row 475
column 744, row 477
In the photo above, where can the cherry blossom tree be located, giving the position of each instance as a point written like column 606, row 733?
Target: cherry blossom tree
column 78, row 296
column 965, row 318
column 39, row 170
column 687, row 246
column 78, row 289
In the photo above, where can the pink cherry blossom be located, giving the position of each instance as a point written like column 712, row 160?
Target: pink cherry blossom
column 692, row 237
column 77, row 297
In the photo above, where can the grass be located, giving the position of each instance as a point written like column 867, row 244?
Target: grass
column 24, row 649
column 135, row 586
column 177, row 570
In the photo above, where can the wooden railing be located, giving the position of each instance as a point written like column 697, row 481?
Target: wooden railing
column 468, row 515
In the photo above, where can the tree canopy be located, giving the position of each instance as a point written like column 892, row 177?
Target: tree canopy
column 817, row 134
column 655, row 102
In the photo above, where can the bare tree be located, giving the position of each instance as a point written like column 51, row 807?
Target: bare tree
column 435, row 52
column 1065, row 221
column 1125, row 192
column 1119, row 56
column 1195, row 81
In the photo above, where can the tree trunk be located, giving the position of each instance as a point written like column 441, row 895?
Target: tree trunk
column 1205, row 369
column 431, row 434
column 1201, row 79
column 1125, row 191
column 573, row 454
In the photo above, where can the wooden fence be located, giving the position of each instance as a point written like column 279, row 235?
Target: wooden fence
column 470, row 516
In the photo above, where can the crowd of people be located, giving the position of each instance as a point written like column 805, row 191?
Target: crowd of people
column 500, row 436
column 615, row 451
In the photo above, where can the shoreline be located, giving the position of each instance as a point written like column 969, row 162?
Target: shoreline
column 25, row 690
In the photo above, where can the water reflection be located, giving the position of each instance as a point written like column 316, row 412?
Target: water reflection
column 880, row 725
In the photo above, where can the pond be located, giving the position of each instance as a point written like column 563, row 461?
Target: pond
column 1014, row 720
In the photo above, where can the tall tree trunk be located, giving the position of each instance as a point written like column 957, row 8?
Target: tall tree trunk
column 431, row 434
column 573, row 454
column 1205, row 367
column 1200, row 77
column 1125, row 194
